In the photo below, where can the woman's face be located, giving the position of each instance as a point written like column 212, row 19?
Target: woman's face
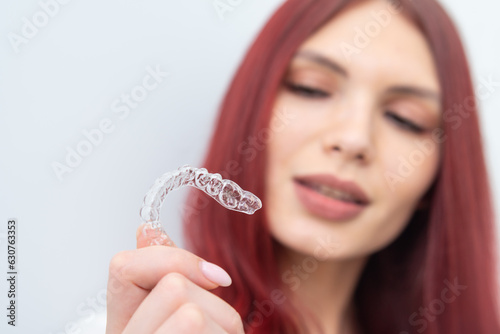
column 360, row 103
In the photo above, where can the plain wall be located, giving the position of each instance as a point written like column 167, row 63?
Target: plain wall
column 69, row 77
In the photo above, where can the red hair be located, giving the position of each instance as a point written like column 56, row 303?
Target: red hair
column 447, row 250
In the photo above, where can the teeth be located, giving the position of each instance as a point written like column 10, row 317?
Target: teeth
column 334, row 193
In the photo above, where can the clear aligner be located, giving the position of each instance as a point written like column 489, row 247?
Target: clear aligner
column 226, row 192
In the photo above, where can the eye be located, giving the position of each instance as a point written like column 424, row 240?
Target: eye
column 308, row 92
column 404, row 123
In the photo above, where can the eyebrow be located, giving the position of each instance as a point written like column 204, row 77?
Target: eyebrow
column 321, row 60
column 334, row 67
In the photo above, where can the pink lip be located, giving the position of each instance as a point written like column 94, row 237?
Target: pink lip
column 328, row 207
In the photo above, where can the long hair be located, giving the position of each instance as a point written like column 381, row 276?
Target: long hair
column 437, row 276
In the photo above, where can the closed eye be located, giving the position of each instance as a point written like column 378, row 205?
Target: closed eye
column 305, row 91
column 404, row 123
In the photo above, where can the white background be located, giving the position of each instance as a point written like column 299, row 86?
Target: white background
column 64, row 80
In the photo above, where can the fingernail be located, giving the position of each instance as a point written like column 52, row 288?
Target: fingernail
column 140, row 230
column 152, row 236
column 163, row 239
column 215, row 273
column 149, row 232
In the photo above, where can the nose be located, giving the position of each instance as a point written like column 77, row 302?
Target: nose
column 350, row 138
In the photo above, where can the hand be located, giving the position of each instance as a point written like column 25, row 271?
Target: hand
column 164, row 289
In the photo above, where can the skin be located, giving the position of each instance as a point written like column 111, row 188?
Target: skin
column 349, row 133
column 161, row 289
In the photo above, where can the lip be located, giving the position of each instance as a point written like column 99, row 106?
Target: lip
column 327, row 207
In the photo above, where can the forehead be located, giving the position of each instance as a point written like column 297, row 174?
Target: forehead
column 376, row 43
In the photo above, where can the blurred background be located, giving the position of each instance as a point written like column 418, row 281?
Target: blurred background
column 99, row 98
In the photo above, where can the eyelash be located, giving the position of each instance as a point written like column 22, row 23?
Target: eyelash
column 309, row 92
column 305, row 91
column 404, row 123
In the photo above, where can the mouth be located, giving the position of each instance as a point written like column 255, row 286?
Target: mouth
column 331, row 192
column 330, row 198
column 329, row 186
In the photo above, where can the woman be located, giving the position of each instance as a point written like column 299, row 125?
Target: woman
column 355, row 123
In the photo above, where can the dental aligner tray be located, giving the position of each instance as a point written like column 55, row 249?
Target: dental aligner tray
column 226, row 192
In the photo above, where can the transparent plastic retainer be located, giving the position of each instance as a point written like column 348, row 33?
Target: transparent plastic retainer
column 226, row 192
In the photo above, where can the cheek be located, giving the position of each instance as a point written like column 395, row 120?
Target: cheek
column 288, row 135
column 409, row 167
column 294, row 125
column 393, row 206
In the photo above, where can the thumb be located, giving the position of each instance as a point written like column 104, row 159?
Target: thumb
column 147, row 236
